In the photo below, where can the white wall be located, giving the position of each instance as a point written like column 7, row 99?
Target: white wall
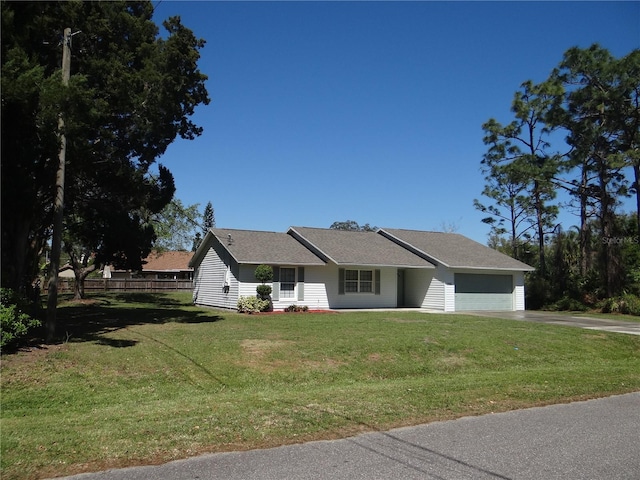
column 388, row 289
column 208, row 281
column 518, row 286
column 440, row 293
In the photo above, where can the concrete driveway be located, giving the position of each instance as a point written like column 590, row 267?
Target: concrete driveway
column 590, row 323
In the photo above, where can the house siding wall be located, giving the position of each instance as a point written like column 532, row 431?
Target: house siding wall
column 315, row 292
column 440, row 291
column 209, row 278
column 420, row 289
column 386, row 299
column 518, row 285
column 315, row 295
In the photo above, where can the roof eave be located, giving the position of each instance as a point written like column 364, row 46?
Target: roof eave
column 383, row 265
column 502, row 269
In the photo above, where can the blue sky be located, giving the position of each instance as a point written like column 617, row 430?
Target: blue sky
column 366, row 111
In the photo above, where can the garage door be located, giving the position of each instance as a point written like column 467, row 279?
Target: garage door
column 483, row 292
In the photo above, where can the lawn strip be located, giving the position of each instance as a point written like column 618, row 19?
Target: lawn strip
column 148, row 381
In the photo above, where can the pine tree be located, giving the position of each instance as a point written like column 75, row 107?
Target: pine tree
column 208, row 219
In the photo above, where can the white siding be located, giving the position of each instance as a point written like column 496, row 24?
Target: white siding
column 208, row 282
column 440, row 293
column 315, row 291
column 518, row 283
column 386, row 299
column 448, row 278
column 434, row 299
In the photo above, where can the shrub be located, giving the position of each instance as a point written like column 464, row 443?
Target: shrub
column 263, row 291
column 15, row 324
column 568, row 304
column 627, row 304
column 252, row 305
column 297, row 308
column 264, row 273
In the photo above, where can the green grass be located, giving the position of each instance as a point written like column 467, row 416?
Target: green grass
column 607, row 316
column 147, row 378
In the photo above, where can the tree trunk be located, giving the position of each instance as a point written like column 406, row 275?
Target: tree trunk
column 585, row 264
column 636, row 184
column 81, row 275
column 538, row 203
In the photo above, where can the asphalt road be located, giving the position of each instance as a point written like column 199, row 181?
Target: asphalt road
column 596, row 439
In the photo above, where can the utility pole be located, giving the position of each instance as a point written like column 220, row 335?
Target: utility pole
column 58, row 207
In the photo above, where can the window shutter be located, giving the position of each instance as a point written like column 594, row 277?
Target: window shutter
column 341, row 281
column 275, row 294
column 301, row 283
column 376, row 279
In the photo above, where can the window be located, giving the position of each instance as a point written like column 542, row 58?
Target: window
column 287, row 282
column 358, row 281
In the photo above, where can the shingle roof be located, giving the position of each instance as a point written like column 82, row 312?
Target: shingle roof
column 454, row 250
column 256, row 247
column 345, row 247
column 167, row 261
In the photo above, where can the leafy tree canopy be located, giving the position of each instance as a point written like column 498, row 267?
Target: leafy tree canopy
column 352, row 226
column 131, row 93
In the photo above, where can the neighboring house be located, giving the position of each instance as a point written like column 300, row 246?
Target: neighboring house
column 334, row 269
column 171, row 265
column 66, row 271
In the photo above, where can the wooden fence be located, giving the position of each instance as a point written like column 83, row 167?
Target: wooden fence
column 126, row 285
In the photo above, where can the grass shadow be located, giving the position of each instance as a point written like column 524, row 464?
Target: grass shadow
column 92, row 319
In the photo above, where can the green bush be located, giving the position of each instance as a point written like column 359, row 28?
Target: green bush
column 297, row 308
column 252, row 305
column 627, row 304
column 264, row 273
column 263, row 291
column 15, row 324
column 568, row 304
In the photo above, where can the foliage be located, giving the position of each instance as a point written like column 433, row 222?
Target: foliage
column 519, row 168
column 273, row 380
column 353, row 226
column 131, row 93
column 626, row 304
column 15, row 323
column 197, row 240
column 594, row 98
column 263, row 291
column 264, row 273
column 568, row 304
column 252, row 304
column 208, row 218
column 296, row 308
column 176, row 226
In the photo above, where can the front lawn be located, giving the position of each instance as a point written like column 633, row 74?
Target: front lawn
column 147, row 378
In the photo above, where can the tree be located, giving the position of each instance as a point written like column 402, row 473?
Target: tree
column 130, row 94
column 602, row 123
column 208, row 218
column 521, row 148
column 176, row 225
column 511, row 210
column 197, row 240
column 352, row 226
column 94, row 229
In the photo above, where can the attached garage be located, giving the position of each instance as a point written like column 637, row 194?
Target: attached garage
column 483, row 292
